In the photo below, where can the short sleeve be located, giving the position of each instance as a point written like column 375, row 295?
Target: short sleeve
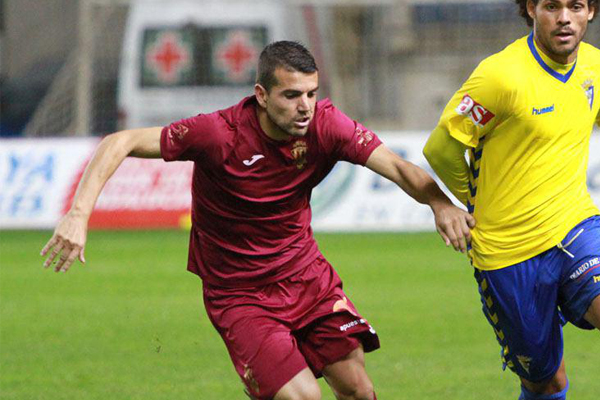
column 189, row 138
column 343, row 138
column 476, row 107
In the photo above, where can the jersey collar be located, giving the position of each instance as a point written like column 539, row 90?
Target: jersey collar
column 538, row 57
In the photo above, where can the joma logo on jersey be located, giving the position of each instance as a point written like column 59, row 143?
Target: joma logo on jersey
column 478, row 113
column 544, row 110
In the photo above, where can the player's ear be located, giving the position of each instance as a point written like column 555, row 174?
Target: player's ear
column 592, row 13
column 531, row 9
column 261, row 95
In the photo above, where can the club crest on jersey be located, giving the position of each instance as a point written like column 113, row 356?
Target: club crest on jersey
column 478, row 113
column 299, row 149
column 588, row 87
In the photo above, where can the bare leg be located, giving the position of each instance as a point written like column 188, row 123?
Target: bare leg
column 303, row 386
column 593, row 313
column 553, row 385
column 348, row 378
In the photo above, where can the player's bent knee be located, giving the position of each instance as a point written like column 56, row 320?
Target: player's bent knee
column 593, row 314
column 306, row 391
column 362, row 390
column 526, row 394
column 308, row 394
column 552, row 389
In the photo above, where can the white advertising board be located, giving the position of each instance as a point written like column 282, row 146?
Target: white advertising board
column 35, row 176
column 38, row 178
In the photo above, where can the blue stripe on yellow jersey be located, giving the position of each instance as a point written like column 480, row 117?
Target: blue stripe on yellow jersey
column 528, row 121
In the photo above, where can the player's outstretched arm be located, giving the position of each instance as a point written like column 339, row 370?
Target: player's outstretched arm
column 68, row 241
column 453, row 224
column 446, row 156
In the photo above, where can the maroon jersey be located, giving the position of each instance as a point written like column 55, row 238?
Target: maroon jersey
column 250, row 194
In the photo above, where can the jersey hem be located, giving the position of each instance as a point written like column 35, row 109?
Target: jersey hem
column 551, row 243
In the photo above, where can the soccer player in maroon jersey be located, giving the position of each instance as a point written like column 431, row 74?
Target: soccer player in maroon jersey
column 276, row 302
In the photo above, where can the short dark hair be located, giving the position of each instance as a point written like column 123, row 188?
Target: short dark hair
column 292, row 56
column 523, row 8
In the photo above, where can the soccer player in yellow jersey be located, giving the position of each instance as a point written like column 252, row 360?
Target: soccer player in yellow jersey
column 525, row 117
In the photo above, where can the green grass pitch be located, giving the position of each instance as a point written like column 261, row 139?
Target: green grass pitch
column 131, row 325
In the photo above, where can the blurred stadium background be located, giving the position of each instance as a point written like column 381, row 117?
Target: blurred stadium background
column 130, row 325
column 390, row 63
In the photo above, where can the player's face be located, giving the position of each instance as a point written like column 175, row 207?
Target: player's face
column 290, row 104
column 559, row 26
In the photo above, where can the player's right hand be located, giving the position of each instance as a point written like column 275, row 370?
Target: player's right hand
column 67, row 243
column 454, row 226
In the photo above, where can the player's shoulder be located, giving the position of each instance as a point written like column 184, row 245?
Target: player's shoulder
column 324, row 108
column 328, row 117
column 589, row 54
column 238, row 114
column 229, row 120
column 505, row 67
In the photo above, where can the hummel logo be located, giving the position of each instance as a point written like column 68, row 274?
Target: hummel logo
column 540, row 111
column 254, row 159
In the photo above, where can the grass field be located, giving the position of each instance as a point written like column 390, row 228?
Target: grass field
column 131, row 325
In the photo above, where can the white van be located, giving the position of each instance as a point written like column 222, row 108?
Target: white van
column 185, row 57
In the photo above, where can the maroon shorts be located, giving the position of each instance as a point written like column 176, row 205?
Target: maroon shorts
column 273, row 332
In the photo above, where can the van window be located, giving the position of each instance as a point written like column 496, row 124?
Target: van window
column 193, row 55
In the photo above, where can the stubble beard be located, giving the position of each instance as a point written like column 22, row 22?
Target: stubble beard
column 289, row 130
column 558, row 50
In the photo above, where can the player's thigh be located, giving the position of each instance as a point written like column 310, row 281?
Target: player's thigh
column 520, row 303
column 348, row 377
column 334, row 346
column 263, row 350
column 580, row 285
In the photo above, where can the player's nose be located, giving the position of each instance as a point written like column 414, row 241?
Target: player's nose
column 564, row 16
column 303, row 103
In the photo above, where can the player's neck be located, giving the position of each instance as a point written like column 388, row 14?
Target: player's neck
column 269, row 127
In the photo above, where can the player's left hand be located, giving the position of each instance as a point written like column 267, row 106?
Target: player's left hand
column 454, row 226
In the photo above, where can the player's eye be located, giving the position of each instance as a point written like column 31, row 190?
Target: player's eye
column 312, row 94
column 577, row 6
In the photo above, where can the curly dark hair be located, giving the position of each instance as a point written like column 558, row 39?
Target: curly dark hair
column 523, row 9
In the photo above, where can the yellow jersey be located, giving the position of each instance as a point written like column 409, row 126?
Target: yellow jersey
column 527, row 122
